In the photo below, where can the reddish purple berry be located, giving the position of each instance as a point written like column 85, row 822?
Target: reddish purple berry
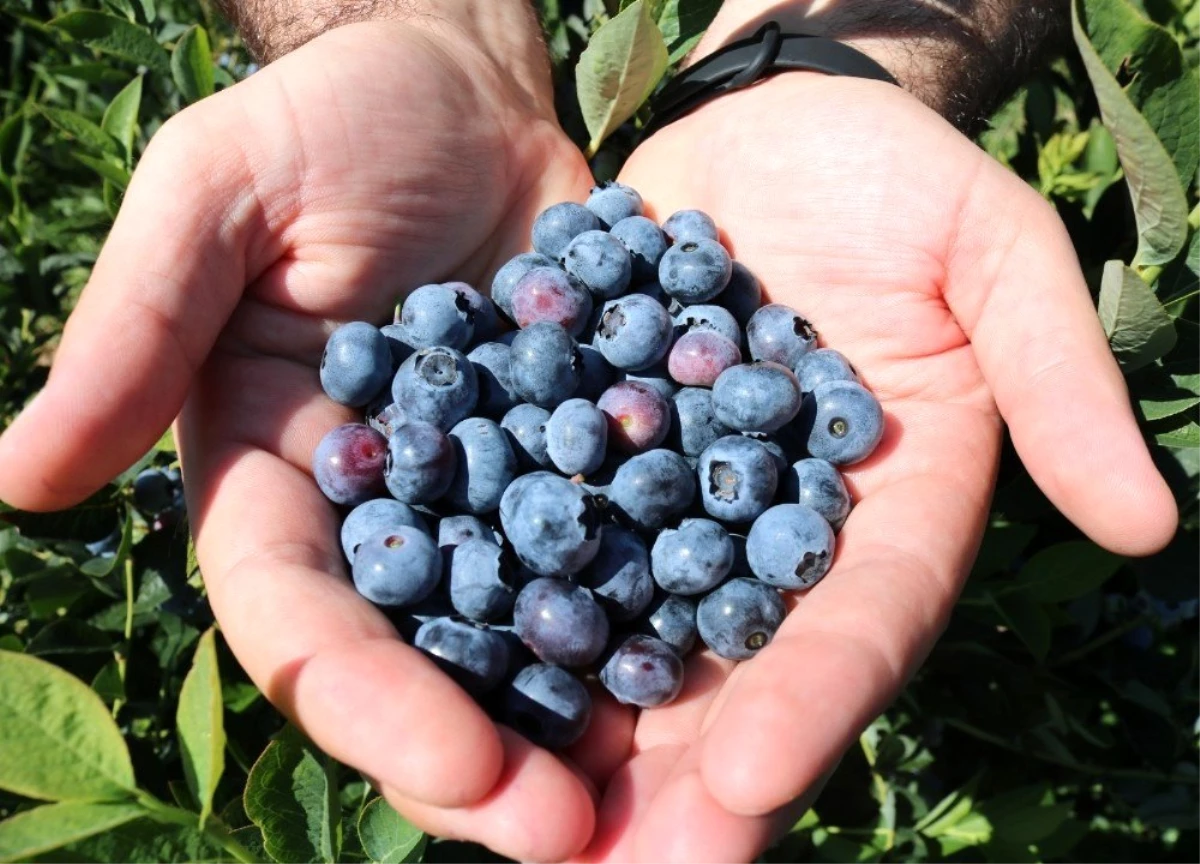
column 639, row 417
column 699, row 357
column 348, row 464
column 549, row 294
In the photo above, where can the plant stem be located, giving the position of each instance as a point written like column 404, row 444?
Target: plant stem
column 1082, row 767
column 122, row 653
column 212, row 828
column 1100, row 641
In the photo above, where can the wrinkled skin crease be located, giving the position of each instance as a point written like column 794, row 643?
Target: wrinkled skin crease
column 327, row 186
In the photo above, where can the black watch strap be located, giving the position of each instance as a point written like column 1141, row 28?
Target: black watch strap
column 748, row 60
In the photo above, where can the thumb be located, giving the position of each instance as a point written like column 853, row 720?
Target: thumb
column 165, row 283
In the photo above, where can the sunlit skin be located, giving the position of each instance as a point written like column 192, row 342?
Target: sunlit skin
column 383, row 156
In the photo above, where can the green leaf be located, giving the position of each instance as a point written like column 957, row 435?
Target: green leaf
column 50, row 826
column 1067, row 570
column 1161, row 83
column 200, row 721
column 1185, row 437
column 291, row 795
column 108, row 168
column 57, row 739
column 683, row 22
column 618, row 70
column 81, row 129
column 191, row 64
column 1138, row 328
column 973, row 829
column 144, row 840
column 1027, row 619
column 387, row 837
column 120, row 118
column 1164, row 408
column 101, row 567
column 1158, row 200
column 113, row 35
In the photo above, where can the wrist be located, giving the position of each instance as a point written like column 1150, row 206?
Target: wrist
column 504, row 33
column 960, row 59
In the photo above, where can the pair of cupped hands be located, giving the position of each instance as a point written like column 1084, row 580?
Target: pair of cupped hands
column 384, row 155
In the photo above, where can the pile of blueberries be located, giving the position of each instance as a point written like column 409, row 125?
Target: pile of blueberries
column 645, row 460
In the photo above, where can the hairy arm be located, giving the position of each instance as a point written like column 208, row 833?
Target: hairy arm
column 960, row 57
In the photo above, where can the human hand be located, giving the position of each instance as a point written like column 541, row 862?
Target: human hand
column 954, row 290
column 377, row 157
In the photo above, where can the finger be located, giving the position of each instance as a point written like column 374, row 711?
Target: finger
column 537, row 811
column 850, row 645
column 605, row 744
column 713, row 833
column 1015, row 286
column 164, row 284
column 628, row 795
column 267, row 544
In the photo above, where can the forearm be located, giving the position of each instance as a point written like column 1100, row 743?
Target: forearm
column 962, row 59
column 272, row 28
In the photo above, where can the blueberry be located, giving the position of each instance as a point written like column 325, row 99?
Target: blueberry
column 601, row 262
column 385, row 416
column 634, row 332
column 643, row 671
column 577, row 437
column 657, row 377
column 545, row 366
column 475, row 657
column 526, row 428
column 842, row 422
column 742, row 296
column 485, row 465
column 619, row 575
column 740, row 618
column 548, row 705
column 693, row 426
column 596, row 374
column 549, row 294
column 437, row 315
column 491, row 362
column 397, row 343
column 776, row 450
column 420, row 463
column 672, row 619
column 371, row 517
column 790, row 546
column 821, row 365
column 456, row 530
column 613, row 202
column 510, row 274
column 818, row 484
column 777, row 333
column 356, row 364
column 652, row 487
column 646, row 244
column 551, row 523
column 708, row 317
column 436, row 385
column 558, row 225
column 690, row 226
column 484, row 318
column 756, row 397
column 153, row 491
column 695, row 271
column 738, row 479
column 559, row 622
column 655, row 292
column 638, row 416
column 397, row 566
column 480, row 582
column 697, row 359
column 692, row 559
column 348, row 464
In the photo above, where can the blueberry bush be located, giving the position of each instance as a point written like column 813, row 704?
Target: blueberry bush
column 1056, row 720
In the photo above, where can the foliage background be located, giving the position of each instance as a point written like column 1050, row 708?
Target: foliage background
column 1057, row 719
